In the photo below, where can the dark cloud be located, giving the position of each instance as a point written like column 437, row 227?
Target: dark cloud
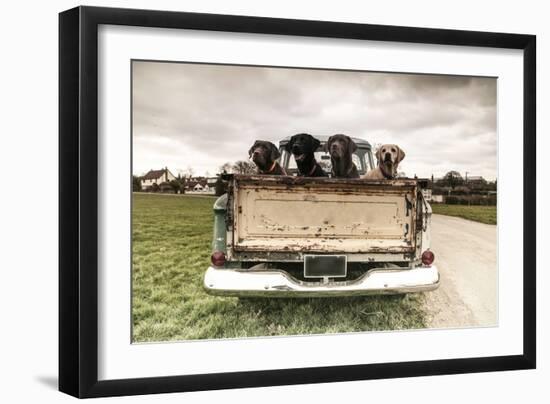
column 204, row 115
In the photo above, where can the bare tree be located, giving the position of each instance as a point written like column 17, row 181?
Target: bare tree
column 226, row 168
column 188, row 172
column 453, row 179
column 244, row 167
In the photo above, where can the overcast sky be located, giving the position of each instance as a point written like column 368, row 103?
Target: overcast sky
column 201, row 116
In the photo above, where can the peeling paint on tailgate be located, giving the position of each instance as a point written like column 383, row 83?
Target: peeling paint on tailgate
column 323, row 215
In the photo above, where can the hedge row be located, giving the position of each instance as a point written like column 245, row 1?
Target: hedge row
column 490, row 200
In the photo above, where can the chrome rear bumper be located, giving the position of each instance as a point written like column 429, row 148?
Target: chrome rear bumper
column 278, row 283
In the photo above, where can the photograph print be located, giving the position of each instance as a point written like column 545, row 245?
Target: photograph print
column 281, row 201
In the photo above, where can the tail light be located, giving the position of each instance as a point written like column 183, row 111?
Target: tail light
column 218, row 258
column 428, row 257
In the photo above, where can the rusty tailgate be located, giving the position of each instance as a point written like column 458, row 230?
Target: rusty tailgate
column 284, row 214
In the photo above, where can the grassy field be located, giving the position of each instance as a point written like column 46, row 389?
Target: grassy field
column 483, row 214
column 171, row 250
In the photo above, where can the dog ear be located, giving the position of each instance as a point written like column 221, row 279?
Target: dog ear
column 400, row 154
column 288, row 146
column 252, row 149
column 327, row 144
column 274, row 152
column 352, row 147
column 314, row 144
column 379, row 154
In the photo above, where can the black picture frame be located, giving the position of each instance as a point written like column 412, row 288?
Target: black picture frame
column 78, row 200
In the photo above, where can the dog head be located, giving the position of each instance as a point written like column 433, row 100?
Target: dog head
column 389, row 156
column 263, row 154
column 340, row 146
column 302, row 146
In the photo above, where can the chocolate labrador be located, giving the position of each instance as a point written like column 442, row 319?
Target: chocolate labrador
column 265, row 154
column 341, row 148
column 303, row 146
column 389, row 156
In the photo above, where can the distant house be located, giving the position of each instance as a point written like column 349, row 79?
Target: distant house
column 476, row 180
column 200, row 184
column 476, row 183
column 156, row 177
column 193, row 184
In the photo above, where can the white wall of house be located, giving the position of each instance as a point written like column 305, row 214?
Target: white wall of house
column 170, row 176
column 148, row 183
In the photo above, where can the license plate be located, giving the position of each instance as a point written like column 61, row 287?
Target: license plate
column 325, row 266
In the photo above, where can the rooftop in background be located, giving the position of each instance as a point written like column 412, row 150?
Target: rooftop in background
column 153, row 174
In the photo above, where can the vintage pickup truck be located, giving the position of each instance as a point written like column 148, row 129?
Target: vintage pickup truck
column 290, row 236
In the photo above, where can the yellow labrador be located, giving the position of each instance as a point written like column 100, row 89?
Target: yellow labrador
column 389, row 156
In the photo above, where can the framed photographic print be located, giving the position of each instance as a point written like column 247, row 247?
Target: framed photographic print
column 250, row 201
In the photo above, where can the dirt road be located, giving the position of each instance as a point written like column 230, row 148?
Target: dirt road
column 466, row 255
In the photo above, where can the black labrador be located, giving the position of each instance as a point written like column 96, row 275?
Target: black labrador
column 265, row 154
column 341, row 148
column 303, row 147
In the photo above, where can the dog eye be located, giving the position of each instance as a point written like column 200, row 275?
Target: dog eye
column 393, row 150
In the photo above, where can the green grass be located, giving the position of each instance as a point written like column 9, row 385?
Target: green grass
column 171, row 251
column 483, row 214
